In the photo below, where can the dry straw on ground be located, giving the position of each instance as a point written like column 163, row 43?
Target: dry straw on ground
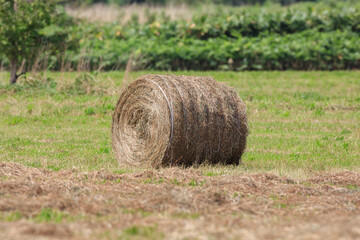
column 166, row 120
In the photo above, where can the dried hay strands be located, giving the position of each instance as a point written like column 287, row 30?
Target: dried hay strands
column 166, row 120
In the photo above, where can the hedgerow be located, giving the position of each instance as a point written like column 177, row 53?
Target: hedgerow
column 312, row 38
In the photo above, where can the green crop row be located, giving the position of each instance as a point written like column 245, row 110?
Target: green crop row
column 307, row 50
column 244, row 24
column 304, row 39
column 233, row 25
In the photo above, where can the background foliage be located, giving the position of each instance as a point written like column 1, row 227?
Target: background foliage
column 27, row 28
column 164, row 2
column 304, row 37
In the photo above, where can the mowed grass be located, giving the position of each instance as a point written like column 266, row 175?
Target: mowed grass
column 299, row 122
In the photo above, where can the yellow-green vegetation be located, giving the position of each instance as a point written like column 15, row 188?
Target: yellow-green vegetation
column 10, row 216
column 299, row 121
column 140, row 232
column 322, row 35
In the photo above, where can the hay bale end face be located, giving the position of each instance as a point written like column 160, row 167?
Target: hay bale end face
column 167, row 120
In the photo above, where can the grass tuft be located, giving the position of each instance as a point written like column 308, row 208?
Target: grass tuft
column 47, row 215
column 141, row 232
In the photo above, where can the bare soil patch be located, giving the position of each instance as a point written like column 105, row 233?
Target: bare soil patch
column 177, row 203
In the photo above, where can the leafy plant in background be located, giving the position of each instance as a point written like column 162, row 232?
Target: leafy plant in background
column 190, row 2
column 308, row 37
column 21, row 25
column 316, row 38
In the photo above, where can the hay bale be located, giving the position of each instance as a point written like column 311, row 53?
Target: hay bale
column 166, row 120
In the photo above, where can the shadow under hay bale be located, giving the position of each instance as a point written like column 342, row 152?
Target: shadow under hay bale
column 166, row 120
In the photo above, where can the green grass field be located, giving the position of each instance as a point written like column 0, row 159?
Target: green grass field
column 59, row 178
column 299, row 122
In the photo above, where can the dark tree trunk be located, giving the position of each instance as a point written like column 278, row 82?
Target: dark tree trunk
column 13, row 62
column 13, row 76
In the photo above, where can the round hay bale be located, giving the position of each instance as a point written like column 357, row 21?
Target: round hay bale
column 166, row 120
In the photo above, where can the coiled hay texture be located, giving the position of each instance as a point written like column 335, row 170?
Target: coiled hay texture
column 166, row 120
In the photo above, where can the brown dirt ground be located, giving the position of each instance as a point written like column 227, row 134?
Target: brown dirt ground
column 179, row 204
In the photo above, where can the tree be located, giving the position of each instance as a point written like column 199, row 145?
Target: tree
column 21, row 22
